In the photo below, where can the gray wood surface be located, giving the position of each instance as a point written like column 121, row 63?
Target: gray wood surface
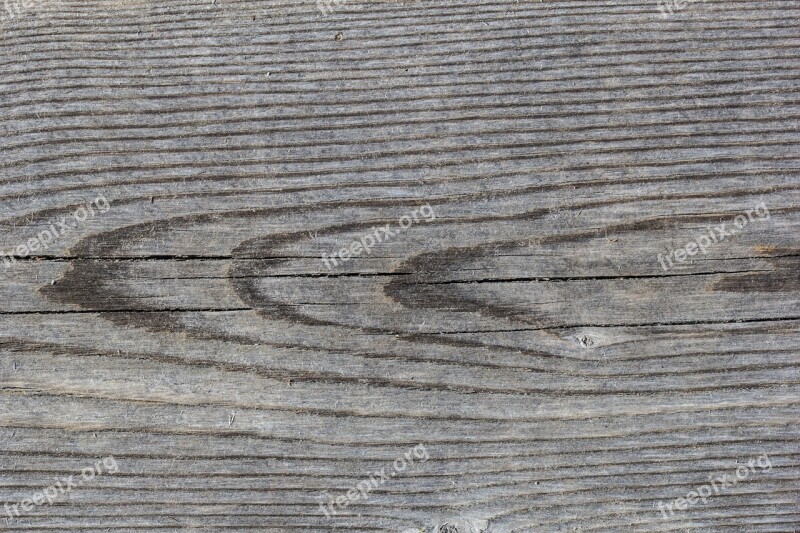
column 526, row 334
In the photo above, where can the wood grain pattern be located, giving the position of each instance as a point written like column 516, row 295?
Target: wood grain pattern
column 560, row 379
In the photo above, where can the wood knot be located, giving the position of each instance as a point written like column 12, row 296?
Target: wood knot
column 586, row 341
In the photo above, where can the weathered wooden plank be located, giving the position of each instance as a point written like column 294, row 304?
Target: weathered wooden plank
column 191, row 193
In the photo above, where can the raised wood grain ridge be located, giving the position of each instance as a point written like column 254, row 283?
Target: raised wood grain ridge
column 559, row 375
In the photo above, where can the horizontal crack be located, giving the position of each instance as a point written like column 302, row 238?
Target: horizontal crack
column 585, row 278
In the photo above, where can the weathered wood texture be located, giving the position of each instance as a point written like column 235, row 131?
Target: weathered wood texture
column 559, row 378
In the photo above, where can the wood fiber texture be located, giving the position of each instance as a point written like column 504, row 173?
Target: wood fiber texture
column 521, row 347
